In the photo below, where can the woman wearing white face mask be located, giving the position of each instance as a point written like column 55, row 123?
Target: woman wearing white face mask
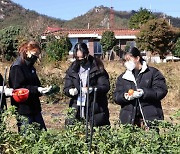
column 139, row 91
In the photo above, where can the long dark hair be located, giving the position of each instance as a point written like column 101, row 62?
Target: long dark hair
column 82, row 47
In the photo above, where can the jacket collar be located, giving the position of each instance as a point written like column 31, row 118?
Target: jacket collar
column 144, row 67
column 95, row 67
column 21, row 63
column 75, row 66
column 128, row 75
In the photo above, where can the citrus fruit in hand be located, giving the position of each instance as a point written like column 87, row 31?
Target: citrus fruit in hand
column 130, row 92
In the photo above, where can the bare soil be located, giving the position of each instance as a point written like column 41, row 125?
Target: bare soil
column 54, row 114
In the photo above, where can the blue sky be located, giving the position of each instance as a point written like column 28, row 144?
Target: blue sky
column 68, row 9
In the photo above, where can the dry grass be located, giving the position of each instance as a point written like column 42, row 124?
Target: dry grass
column 54, row 114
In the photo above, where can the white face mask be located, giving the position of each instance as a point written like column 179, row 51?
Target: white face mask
column 130, row 65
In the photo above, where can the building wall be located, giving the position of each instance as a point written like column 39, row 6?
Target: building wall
column 90, row 42
column 91, row 47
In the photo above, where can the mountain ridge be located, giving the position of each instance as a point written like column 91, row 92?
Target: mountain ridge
column 97, row 17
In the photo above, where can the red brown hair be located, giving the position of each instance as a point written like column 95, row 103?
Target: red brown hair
column 28, row 46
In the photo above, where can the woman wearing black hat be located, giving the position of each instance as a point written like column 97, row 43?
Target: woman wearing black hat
column 139, row 91
column 76, row 83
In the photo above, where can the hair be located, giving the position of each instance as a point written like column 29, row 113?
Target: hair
column 28, row 46
column 135, row 53
column 82, row 47
column 99, row 63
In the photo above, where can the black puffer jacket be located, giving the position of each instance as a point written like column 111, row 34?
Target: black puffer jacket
column 154, row 86
column 23, row 76
column 98, row 78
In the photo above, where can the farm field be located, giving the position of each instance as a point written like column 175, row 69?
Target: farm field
column 54, row 113
column 170, row 103
column 117, row 139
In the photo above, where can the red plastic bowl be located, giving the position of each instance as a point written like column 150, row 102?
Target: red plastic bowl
column 20, row 95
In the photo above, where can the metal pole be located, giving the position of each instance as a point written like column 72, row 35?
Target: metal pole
column 4, row 79
column 80, row 98
column 146, row 125
column 92, row 118
column 139, row 103
column 87, row 105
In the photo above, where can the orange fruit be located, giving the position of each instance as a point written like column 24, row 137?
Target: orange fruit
column 20, row 95
column 130, row 92
column 20, row 92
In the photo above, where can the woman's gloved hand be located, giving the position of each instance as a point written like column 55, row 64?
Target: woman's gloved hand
column 73, row 91
column 138, row 93
column 44, row 90
column 128, row 97
column 85, row 89
column 8, row 91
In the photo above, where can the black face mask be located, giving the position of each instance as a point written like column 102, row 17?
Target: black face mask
column 82, row 62
column 32, row 59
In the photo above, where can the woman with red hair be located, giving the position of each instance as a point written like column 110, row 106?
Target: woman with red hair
column 23, row 75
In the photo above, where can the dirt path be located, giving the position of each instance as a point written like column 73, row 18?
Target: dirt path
column 54, row 114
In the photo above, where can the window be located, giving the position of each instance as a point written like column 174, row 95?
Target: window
column 97, row 47
column 86, row 41
column 73, row 42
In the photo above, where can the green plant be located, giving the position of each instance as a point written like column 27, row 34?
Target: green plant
column 108, row 41
column 112, row 79
column 49, row 79
column 106, row 140
column 176, row 50
column 9, row 41
column 140, row 18
column 57, row 49
column 156, row 36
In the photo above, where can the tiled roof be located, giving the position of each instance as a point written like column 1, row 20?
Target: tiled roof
column 52, row 29
column 117, row 32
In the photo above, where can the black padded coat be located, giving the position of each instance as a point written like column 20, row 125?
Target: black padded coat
column 98, row 78
column 24, row 76
column 154, row 86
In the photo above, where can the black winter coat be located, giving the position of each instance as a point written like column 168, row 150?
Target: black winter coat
column 98, row 77
column 154, row 86
column 23, row 76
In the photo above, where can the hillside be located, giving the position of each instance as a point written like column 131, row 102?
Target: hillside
column 98, row 17
column 14, row 14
